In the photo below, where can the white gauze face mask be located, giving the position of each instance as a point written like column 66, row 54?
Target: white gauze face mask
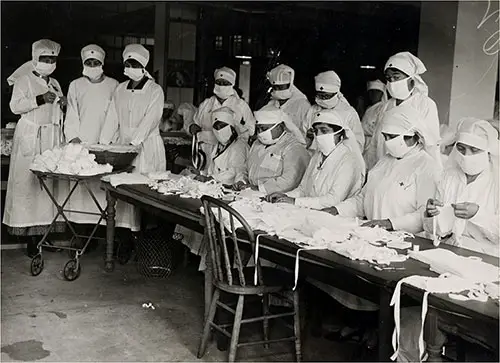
column 397, row 147
column 284, row 94
column 223, row 135
column 326, row 142
column 473, row 164
column 135, row 74
column 223, row 92
column 266, row 137
column 329, row 103
column 399, row 89
column 93, row 73
column 45, row 69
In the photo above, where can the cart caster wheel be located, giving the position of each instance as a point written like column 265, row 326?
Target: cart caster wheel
column 109, row 266
column 72, row 270
column 37, row 265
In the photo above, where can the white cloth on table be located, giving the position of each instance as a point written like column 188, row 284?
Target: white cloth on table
column 279, row 167
column 38, row 130
column 126, row 179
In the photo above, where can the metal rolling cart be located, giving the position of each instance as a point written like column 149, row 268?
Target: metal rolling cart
column 72, row 268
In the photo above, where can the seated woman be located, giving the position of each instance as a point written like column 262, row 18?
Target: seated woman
column 226, row 164
column 277, row 160
column 336, row 170
column 469, row 188
column 396, row 191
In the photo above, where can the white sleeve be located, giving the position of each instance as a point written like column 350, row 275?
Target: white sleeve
column 487, row 223
column 72, row 121
column 152, row 118
column 109, row 132
column 355, row 125
column 22, row 100
column 353, row 207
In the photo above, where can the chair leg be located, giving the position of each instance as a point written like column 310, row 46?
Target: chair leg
column 265, row 322
column 236, row 328
column 206, row 328
column 296, row 325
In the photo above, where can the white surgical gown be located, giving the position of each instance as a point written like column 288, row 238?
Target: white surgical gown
column 349, row 115
column 134, row 117
column 295, row 107
column 481, row 232
column 340, row 176
column 229, row 166
column 396, row 189
column 87, row 106
column 279, row 167
column 375, row 150
column 245, row 125
column 26, row 203
column 370, row 119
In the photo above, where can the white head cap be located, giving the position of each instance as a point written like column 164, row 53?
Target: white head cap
column 407, row 63
column 328, row 81
column 93, row 51
column 224, row 114
column 272, row 115
column 44, row 47
column 281, row 74
column 478, row 133
column 330, row 117
column 225, row 73
column 136, row 52
column 375, row 85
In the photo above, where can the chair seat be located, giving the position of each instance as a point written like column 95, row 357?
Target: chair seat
column 275, row 280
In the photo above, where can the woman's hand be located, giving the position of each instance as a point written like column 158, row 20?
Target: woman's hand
column 431, row 207
column 49, row 97
column 239, row 186
column 331, row 210
column 382, row 223
column 63, row 101
column 465, row 210
column 279, row 198
column 194, row 129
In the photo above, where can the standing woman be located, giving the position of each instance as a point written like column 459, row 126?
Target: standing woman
column 38, row 99
column 89, row 98
column 134, row 118
column 406, row 87
column 135, row 113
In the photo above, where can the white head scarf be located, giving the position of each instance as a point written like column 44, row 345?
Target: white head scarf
column 42, row 47
column 377, row 85
column 138, row 53
column 328, row 81
column 332, row 117
column 224, row 114
column 272, row 115
column 412, row 66
column 284, row 74
column 93, row 51
column 405, row 120
column 225, row 73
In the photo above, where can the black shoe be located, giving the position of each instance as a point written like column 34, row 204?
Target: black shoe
column 32, row 247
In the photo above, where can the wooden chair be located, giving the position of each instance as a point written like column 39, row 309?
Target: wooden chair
column 230, row 276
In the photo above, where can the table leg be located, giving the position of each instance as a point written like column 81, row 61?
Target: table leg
column 385, row 326
column 433, row 336
column 110, row 231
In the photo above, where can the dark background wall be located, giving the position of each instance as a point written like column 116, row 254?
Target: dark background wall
column 309, row 36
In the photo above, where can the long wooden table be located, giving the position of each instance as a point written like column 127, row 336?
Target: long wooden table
column 353, row 276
